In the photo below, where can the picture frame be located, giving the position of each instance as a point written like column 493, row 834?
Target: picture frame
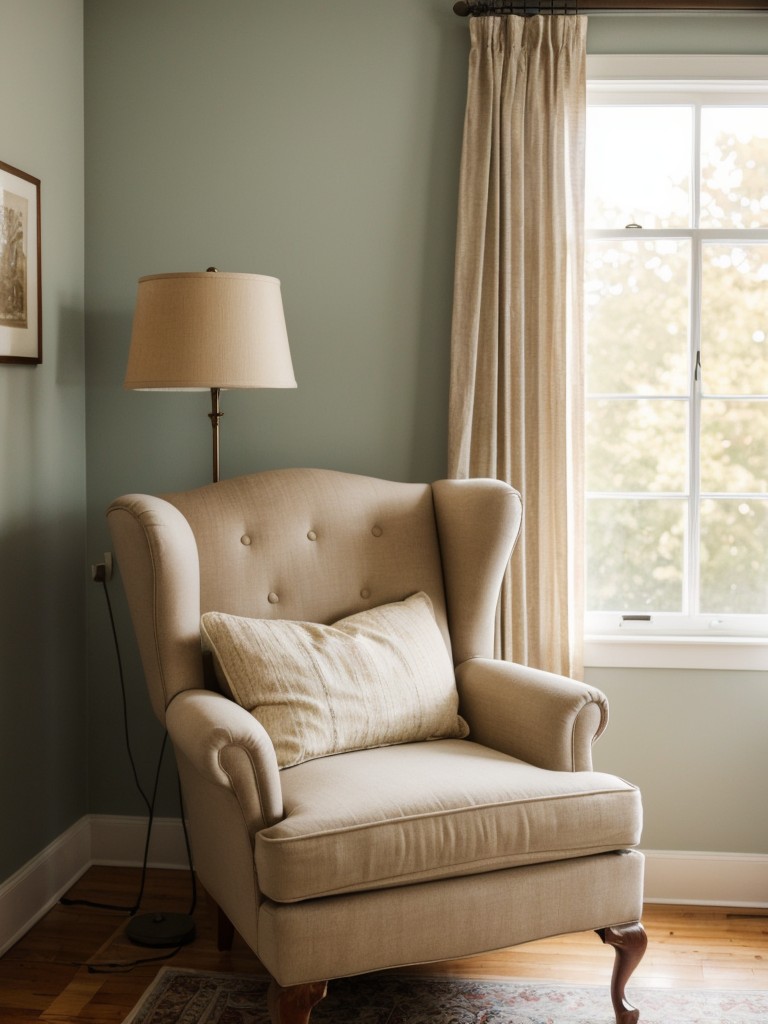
column 21, row 295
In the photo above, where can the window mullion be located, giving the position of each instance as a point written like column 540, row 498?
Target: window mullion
column 696, row 167
column 692, row 574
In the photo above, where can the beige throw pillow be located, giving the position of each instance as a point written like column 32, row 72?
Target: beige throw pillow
column 376, row 678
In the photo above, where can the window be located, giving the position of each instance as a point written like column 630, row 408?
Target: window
column 676, row 310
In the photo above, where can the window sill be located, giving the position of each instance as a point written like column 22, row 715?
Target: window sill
column 713, row 653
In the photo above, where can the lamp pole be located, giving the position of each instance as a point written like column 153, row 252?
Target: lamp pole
column 214, row 416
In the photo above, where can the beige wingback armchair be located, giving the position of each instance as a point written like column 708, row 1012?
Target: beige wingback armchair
column 400, row 850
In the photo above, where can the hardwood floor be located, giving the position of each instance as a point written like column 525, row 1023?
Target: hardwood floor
column 45, row 976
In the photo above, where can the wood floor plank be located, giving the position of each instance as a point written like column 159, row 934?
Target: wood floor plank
column 43, row 978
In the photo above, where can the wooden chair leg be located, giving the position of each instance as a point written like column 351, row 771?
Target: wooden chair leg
column 293, row 1005
column 225, row 932
column 629, row 941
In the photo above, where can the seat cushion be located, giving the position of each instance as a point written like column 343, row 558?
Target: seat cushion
column 394, row 815
column 380, row 676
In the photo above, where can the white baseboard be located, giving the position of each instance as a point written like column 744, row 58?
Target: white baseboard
column 95, row 839
column 711, row 879
column 120, row 840
column 708, row 879
column 34, row 888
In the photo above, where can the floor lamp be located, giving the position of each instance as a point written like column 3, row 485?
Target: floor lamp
column 209, row 331
column 193, row 332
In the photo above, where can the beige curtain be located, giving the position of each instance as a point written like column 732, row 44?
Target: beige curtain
column 516, row 400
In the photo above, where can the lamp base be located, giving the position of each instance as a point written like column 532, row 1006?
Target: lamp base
column 161, row 929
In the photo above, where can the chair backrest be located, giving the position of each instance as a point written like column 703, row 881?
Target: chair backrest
column 307, row 544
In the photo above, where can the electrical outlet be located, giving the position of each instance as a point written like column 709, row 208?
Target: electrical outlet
column 101, row 572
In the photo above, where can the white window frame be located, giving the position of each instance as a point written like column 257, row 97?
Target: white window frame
column 743, row 78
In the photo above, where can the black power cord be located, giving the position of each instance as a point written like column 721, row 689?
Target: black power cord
column 159, row 929
column 136, row 906
column 124, row 966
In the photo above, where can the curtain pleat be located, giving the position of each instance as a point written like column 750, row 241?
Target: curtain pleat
column 517, row 365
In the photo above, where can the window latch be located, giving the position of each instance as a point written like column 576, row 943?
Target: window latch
column 697, row 369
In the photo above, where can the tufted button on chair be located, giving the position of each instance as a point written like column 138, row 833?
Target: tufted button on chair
column 366, row 786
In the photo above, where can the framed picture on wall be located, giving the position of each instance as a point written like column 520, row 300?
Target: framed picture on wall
column 21, row 327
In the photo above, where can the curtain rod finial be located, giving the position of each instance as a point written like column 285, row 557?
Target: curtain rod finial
column 461, row 8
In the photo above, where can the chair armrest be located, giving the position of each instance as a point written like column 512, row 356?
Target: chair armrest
column 229, row 748
column 541, row 718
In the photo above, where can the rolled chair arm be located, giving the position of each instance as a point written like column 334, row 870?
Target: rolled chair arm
column 545, row 719
column 228, row 747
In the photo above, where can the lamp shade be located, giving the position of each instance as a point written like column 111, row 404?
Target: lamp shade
column 209, row 330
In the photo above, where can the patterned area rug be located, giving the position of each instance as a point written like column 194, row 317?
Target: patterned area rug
column 197, row 997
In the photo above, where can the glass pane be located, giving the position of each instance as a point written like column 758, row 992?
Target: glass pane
column 734, row 557
column 734, row 348
column 636, row 445
column 734, row 446
column 636, row 302
column 635, row 555
column 638, row 166
column 734, row 167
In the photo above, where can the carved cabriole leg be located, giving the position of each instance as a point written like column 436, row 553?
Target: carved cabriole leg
column 629, row 941
column 293, row 1005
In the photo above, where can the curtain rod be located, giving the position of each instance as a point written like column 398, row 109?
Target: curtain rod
column 477, row 8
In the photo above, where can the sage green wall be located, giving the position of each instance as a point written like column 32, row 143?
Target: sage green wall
column 43, row 732
column 695, row 744
column 319, row 142
column 682, row 33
